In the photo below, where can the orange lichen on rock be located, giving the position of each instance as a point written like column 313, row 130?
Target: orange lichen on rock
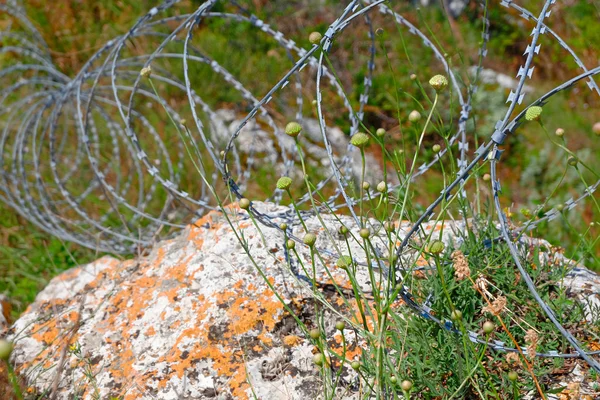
column 196, row 315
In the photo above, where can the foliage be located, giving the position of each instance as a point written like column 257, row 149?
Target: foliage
column 160, row 160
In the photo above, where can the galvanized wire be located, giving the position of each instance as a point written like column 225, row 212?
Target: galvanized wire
column 84, row 158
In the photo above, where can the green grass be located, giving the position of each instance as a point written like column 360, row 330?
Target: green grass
column 30, row 258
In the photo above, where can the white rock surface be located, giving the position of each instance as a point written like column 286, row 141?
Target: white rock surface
column 193, row 319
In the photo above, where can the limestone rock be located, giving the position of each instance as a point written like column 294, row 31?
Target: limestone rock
column 193, row 319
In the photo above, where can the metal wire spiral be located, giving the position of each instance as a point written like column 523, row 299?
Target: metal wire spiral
column 88, row 158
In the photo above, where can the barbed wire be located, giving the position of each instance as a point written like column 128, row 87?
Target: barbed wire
column 87, row 159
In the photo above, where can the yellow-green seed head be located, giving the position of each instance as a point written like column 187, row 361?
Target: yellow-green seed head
column 365, row 233
column 244, row 203
column 340, row 325
column 146, row 72
column 360, row 139
column 436, row 247
column 344, row 262
column 319, row 359
column 380, row 132
column 572, row 161
column 381, row 187
column 414, row 116
column 533, row 113
column 436, row 148
column 6, row 349
column 309, row 239
column 283, row 226
column 488, row 327
column 406, row 385
column 366, row 185
column 487, row 177
column 290, row 244
column 439, row 83
column 315, row 37
column 559, row 132
column 456, row 315
column 293, row 129
column 284, row 183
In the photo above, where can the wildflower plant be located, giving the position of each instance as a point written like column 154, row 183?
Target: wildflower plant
column 480, row 316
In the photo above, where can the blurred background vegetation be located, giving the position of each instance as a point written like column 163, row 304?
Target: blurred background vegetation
column 75, row 29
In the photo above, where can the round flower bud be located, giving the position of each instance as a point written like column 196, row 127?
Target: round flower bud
column 572, row 161
column 284, row 182
column 456, row 315
column 244, row 203
column 560, row 207
column 283, row 226
column 487, row 177
column 436, row 247
column 414, row 116
column 340, row 325
column 436, row 148
column 393, row 380
column 439, row 83
column 319, row 359
column 381, row 187
column 488, row 327
column 315, row 37
column 146, row 72
column 366, row 185
column 380, row 132
column 513, row 376
column 344, row 262
column 596, row 128
column 355, row 365
column 389, row 226
column 406, row 385
column 290, row 244
column 6, row 349
column 533, row 113
column 413, row 77
column 314, row 102
column 364, row 233
column 309, row 239
column 314, row 333
column 293, row 129
column 359, row 139
column 379, row 31
column 183, row 121
column 343, row 230
column 559, row 132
